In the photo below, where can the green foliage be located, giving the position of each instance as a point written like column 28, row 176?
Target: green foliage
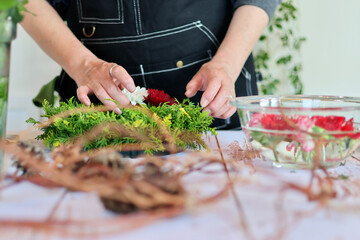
column 3, row 103
column 261, row 138
column 3, row 88
column 266, row 140
column 178, row 118
column 13, row 9
column 281, row 63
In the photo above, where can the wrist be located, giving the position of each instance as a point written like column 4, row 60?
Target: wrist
column 77, row 66
column 231, row 63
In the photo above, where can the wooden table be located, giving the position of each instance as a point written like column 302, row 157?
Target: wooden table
column 271, row 209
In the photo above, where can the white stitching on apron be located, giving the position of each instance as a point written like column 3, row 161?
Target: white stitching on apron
column 171, row 30
column 139, row 16
column 211, row 33
column 122, row 11
column 143, row 74
column 136, row 18
column 214, row 41
column 143, row 37
column 171, row 69
column 119, row 19
column 187, row 26
column 137, row 40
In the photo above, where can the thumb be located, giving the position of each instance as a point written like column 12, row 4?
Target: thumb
column 82, row 94
column 194, row 85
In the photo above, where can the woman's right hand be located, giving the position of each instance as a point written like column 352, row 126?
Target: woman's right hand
column 91, row 74
column 95, row 78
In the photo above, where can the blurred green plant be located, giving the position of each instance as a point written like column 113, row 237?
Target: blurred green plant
column 13, row 9
column 277, row 55
column 11, row 12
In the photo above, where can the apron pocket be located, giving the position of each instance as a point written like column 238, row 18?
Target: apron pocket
column 102, row 12
column 170, row 76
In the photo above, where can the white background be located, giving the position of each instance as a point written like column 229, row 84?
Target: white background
column 331, row 58
column 331, row 55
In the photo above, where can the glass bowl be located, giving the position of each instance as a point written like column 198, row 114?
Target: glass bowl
column 301, row 131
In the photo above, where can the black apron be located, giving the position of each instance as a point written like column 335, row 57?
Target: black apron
column 161, row 43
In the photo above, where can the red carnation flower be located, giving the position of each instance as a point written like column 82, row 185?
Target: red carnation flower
column 278, row 122
column 157, row 97
column 336, row 123
column 330, row 123
column 274, row 122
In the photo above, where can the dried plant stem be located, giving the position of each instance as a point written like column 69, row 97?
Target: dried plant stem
column 56, row 206
column 242, row 216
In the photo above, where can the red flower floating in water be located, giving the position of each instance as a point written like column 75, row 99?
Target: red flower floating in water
column 336, row 123
column 157, row 97
column 278, row 122
column 274, row 122
column 329, row 123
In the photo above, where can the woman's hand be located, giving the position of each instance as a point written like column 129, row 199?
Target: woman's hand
column 217, row 77
column 91, row 74
column 95, row 78
column 217, row 80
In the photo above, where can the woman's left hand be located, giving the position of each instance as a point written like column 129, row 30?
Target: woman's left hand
column 217, row 77
column 217, row 80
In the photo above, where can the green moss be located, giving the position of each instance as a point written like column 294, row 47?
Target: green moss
column 186, row 122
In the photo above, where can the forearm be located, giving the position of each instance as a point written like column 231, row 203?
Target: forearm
column 54, row 37
column 244, row 31
column 90, row 73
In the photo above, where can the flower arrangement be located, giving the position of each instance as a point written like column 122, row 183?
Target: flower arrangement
column 153, row 97
column 184, row 121
column 304, row 140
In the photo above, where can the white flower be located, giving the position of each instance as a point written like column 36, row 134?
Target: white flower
column 136, row 97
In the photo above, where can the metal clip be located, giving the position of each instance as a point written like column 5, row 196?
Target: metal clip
column 91, row 34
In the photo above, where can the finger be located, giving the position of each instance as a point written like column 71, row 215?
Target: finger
column 104, row 97
column 82, row 93
column 123, row 77
column 222, row 97
column 118, row 83
column 228, row 113
column 218, row 111
column 210, row 92
column 194, row 85
column 121, row 86
column 114, row 92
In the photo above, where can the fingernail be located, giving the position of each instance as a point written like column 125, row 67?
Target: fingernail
column 85, row 101
column 205, row 102
column 207, row 111
column 132, row 88
column 190, row 93
column 117, row 111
